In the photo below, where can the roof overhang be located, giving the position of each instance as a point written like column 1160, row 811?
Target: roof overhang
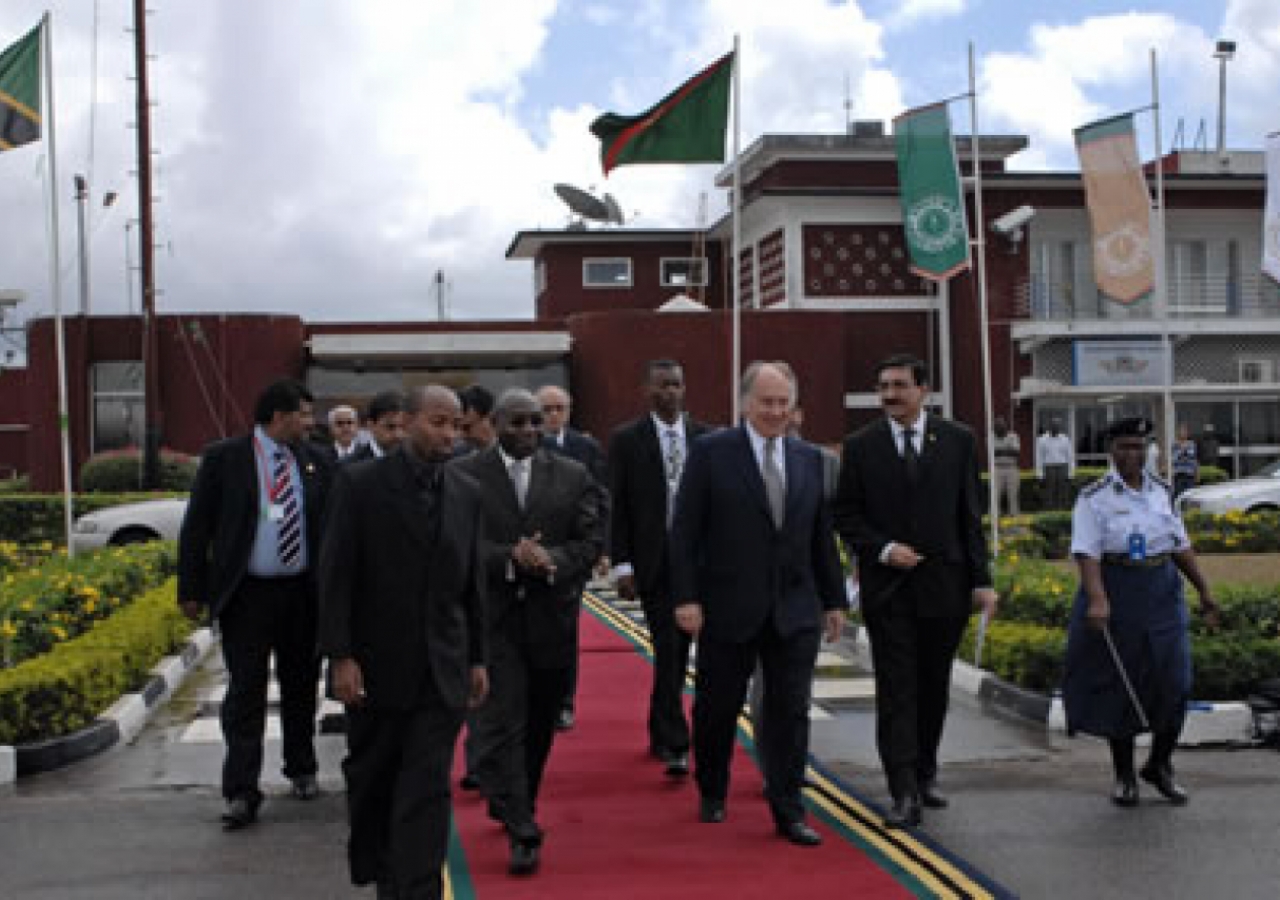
column 528, row 244
column 440, row 349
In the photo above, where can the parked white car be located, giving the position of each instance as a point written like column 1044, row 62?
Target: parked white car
column 129, row 523
column 1258, row 492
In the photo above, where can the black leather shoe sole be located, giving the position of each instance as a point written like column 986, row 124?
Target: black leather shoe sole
column 241, row 813
column 305, row 787
column 799, row 834
column 524, row 859
column 677, row 765
column 1163, row 782
column 1125, row 793
column 904, row 814
column 931, row 799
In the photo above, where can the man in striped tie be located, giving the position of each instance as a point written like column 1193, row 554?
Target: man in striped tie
column 246, row 557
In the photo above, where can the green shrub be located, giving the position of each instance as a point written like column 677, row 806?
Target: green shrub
column 121, row 470
column 37, row 518
column 19, row 484
column 68, row 687
column 59, row 599
column 1031, row 498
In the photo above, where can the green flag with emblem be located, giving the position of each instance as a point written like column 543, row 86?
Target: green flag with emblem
column 686, row 126
column 932, row 199
column 20, row 92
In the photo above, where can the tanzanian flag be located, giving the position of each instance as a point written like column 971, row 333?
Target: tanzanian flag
column 20, row 92
column 686, row 126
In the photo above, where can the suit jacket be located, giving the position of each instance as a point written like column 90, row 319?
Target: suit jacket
column 221, row 520
column 360, row 454
column 638, row 492
column 584, row 449
column 537, row 612
column 727, row 554
column 941, row 517
column 395, row 596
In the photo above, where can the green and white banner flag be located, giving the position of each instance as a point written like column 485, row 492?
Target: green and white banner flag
column 20, row 91
column 932, row 198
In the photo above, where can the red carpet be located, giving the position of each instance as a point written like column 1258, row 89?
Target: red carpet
column 616, row 827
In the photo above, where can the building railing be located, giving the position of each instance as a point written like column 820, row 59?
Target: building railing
column 1190, row 298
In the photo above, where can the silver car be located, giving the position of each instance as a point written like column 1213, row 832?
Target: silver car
column 1257, row 493
column 129, row 523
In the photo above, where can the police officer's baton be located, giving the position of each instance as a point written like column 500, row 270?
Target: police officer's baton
column 1124, row 676
column 979, row 640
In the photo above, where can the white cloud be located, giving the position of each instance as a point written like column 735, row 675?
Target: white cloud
column 910, row 12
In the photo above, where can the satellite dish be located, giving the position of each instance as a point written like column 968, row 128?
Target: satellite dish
column 615, row 211
column 586, row 205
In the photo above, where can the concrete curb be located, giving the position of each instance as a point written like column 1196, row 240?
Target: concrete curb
column 1208, row 724
column 121, row 722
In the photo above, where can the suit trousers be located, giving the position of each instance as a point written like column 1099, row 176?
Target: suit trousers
column 724, row 668
column 264, row 617
column 1008, row 483
column 398, row 801
column 912, row 656
column 515, row 729
column 668, row 727
column 1057, row 486
column 571, row 688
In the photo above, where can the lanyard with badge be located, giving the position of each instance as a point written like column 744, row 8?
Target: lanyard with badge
column 273, row 509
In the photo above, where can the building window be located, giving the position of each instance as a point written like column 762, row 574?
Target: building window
column 683, row 271
column 118, row 405
column 606, row 273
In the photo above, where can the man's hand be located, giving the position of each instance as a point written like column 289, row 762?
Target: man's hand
column 1210, row 612
column 986, row 600
column 689, row 618
column 1098, row 613
column 626, row 587
column 530, row 554
column 902, row 556
column 479, row 686
column 348, row 681
column 832, row 624
column 191, row 609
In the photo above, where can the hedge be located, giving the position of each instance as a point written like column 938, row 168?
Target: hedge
column 1047, row 535
column 33, row 518
column 1031, row 499
column 68, row 687
column 115, row 471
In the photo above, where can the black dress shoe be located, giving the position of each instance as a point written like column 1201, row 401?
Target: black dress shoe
column 1161, row 777
column 931, row 798
column 524, row 858
column 905, row 813
column 1125, row 792
column 677, row 764
column 565, row 721
column 799, row 833
column 241, row 812
column 469, row 782
column 710, row 810
column 305, row 787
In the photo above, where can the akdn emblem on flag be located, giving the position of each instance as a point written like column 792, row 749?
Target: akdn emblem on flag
column 936, row 224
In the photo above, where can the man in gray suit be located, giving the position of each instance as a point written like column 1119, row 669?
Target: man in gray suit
column 542, row 533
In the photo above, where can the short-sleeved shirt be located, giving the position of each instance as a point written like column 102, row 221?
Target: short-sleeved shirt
column 1108, row 511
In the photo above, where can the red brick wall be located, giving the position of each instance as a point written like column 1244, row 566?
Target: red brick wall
column 565, row 294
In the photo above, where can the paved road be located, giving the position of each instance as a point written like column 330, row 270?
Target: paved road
column 142, row 821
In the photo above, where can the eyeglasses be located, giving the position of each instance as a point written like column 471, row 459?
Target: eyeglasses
column 521, row 420
column 344, row 423
column 553, row 407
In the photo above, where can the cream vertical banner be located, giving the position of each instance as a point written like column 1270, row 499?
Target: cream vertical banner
column 1271, row 218
column 1119, row 208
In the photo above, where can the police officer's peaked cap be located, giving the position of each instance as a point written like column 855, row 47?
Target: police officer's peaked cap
column 1134, row 426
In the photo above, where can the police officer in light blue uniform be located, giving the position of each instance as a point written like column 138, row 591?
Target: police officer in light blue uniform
column 1130, row 545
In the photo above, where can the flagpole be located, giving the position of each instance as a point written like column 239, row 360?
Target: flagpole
column 736, row 202
column 55, row 273
column 1162, row 279
column 980, row 244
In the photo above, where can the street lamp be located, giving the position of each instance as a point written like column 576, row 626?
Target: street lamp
column 82, row 197
column 1223, row 51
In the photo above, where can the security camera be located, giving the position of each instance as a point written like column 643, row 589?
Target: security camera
column 1010, row 224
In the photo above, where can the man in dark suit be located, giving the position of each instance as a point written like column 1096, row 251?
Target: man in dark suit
column 402, row 623
column 247, row 555
column 756, row 577
column 646, row 462
column 910, row 504
column 385, row 427
column 542, row 533
column 560, row 437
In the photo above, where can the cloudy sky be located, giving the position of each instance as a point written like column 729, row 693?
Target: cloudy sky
column 327, row 157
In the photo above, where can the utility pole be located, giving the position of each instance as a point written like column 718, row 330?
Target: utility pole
column 146, row 239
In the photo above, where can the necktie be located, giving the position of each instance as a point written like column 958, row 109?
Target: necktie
column 910, row 457
column 675, row 458
column 520, row 480
column 774, row 489
column 289, row 542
